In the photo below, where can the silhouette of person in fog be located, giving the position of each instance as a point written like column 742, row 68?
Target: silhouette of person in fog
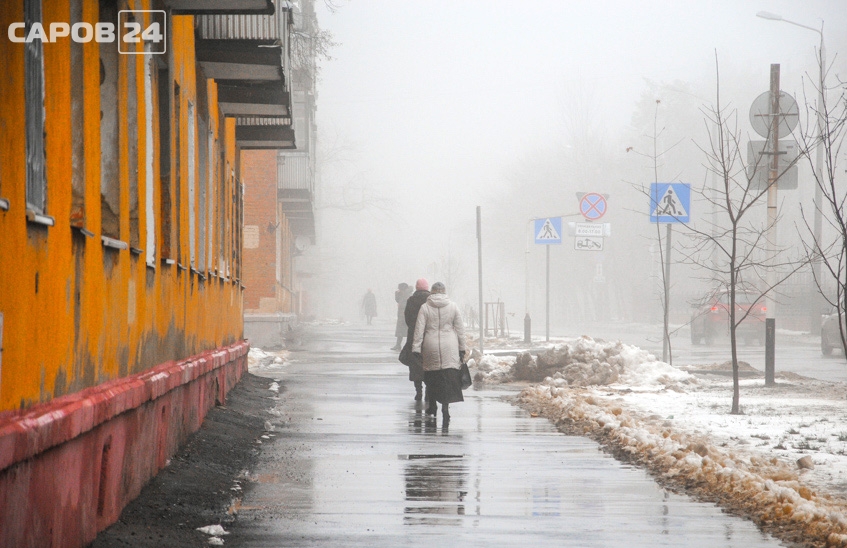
column 369, row 306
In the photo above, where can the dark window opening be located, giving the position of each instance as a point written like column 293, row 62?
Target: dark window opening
column 132, row 142
column 36, row 183
column 110, row 184
column 177, row 154
column 165, row 206
column 77, row 124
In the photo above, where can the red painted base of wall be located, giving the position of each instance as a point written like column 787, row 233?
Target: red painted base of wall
column 68, row 467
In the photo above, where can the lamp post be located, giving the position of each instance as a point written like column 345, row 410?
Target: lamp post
column 817, row 223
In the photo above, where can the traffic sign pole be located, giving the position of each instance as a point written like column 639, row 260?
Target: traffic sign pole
column 666, row 339
column 548, row 294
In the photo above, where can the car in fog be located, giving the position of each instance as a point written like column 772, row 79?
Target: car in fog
column 710, row 319
column 830, row 334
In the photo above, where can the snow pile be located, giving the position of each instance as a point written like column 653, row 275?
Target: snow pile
column 586, row 362
column 259, row 359
column 215, row 533
column 493, row 369
column 755, row 483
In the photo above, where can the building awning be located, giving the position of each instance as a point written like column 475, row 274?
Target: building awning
column 247, row 55
column 264, row 137
column 238, row 98
column 220, row 7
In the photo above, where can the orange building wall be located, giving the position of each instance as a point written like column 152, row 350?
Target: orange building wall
column 75, row 313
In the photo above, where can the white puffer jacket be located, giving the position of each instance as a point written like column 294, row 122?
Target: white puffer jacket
column 439, row 333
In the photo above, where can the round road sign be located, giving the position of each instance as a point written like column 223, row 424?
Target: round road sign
column 760, row 117
column 592, row 206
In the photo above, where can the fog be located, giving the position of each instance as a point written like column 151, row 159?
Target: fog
column 428, row 110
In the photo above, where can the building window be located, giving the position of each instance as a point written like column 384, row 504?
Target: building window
column 36, row 183
column 132, row 146
column 203, row 150
column 192, row 194
column 210, row 249
column 177, row 173
column 110, row 183
column 165, row 196
column 77, row 124
column 149, row 216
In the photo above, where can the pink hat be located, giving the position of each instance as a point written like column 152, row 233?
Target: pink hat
column 422, row 284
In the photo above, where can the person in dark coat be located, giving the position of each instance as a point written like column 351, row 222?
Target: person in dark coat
column 440, row 341
column 413, row 306
column 404, row 291
column 369, row 305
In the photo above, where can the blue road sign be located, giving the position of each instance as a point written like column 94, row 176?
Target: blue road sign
column 548, row 231
column 670, row 202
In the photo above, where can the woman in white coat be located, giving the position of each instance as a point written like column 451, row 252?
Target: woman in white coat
column 440, row 339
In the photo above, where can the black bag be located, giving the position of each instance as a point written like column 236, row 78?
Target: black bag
column 407, row 358
column 466, row 376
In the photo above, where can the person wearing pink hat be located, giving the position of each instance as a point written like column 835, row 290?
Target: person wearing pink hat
column 413, row 306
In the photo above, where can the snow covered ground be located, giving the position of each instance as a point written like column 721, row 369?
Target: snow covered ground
column 783, row 462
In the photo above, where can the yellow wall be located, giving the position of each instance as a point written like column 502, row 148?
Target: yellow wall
column 74, row 312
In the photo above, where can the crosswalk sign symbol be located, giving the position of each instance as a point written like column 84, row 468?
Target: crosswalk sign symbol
column 670, row 202
column 548, row 231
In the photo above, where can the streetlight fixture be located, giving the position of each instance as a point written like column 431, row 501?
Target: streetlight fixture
column 817, row 225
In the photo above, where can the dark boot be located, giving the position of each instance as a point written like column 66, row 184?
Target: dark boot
column 445, row 414
column 418, row 391
column 432, row 409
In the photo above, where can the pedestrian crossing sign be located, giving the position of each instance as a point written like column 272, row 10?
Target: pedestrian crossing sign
column 670, row 202
column 548, row 231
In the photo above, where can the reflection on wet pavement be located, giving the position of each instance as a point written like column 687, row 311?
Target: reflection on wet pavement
column 435, row 489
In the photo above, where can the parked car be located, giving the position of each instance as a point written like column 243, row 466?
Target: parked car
column 710, row 319
column 830, row 334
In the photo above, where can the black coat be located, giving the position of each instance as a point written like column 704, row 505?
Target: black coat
column 413, row 306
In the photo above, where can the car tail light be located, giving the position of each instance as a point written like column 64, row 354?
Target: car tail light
column 714, row 309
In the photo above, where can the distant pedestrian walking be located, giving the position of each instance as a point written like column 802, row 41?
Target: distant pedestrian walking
column 369, row 306
column 404, row 291
column 414, row 362
column 440, row 339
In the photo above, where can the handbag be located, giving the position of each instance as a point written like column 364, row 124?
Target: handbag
column 466, row 376
column 407, row 358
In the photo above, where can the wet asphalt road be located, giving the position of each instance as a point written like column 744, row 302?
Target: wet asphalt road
column 354, row 462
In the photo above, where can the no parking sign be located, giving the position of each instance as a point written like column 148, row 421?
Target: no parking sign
column 592, row 206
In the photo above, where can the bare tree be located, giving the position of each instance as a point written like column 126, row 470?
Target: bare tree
column 732, row 250
column 310, row 44
column 831, row 250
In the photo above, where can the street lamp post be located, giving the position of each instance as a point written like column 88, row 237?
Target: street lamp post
column 817, row 222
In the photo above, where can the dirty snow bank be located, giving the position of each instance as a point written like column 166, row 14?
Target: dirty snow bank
column 584, row 362
column 679, row 428
column 259, row 359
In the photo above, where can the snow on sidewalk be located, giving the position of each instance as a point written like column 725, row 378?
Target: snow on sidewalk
column 259, row 359
column 678, row 425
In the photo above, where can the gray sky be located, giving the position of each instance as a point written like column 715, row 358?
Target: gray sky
column 432, row 105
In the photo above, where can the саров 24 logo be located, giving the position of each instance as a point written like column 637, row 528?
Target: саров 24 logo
column 128, row 29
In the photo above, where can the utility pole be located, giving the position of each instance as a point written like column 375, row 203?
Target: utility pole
column 773, row 174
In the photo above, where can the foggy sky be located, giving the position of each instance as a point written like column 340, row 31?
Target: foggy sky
column 429, row 109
